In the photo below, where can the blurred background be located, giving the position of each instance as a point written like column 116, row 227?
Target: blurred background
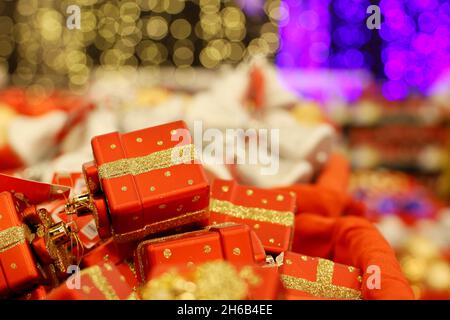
column 386, row 90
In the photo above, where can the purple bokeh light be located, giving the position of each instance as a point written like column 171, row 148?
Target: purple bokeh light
column 415, row 49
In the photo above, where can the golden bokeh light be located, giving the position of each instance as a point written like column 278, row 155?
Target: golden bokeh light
column 126, row 34
column 180, row 29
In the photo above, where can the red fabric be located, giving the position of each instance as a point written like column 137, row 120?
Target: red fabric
column 329, row 195
column 353, row 241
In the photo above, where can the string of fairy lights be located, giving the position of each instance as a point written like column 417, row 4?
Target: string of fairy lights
column 39, row 51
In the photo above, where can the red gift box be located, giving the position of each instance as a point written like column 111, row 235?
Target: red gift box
column 231, row 242
column 311, row 278
column 214, row 280
column 99, row 282
column 18, row 270
column 150, row 180
column 270, row 214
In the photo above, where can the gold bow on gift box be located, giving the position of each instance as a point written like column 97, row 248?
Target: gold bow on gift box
column 59, row 239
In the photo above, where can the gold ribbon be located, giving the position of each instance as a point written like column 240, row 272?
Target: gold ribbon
column 285, row 218
column 58, row 252
column 215, row 280
column 188, row 218
column 156, row 160
column 323, row 286
column 14, row 236
column 100, row 282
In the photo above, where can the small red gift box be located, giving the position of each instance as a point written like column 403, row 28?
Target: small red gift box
column 270, row 214
column 231, row 242
column 150, row 180
column 311, row 278
column 99, row 282
column 213, row 280
column 18, row 270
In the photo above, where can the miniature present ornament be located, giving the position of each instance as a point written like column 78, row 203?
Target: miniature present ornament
column 33, row 248
column 18, row 270
column 150, row 182
column 229, row 241
column 269, row 214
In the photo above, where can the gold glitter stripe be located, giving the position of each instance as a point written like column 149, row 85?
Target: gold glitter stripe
column 164, row 225
column 157, row 160
column 101, row 283
column 325, row 269
column 285, row 218
column 323, row 286
column 14, row 236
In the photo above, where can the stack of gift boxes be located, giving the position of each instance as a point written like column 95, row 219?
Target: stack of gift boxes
column 152, row 226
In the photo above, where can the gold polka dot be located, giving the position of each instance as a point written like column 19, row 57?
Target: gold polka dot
column 162, row 206
column 173, row 132
column 304, row 258
column 288, row 261
column 159, row 143
column 195, row 199
column 236, row 251
column 108, row 267
column 167, row 253
column 207, row 249
column 124, row 188
column 351, row 269
column 167, row 173
column 13, row 266
column 106, row 257
column 86, row 289
column 113, row 146
column 292, row 193
column 264, row 201
column 190, row 182
column 122, row 278
column 180, row 207
column 280, row 197
column 139, row 139
column 152, row 188
column 214, row 222
column 190, row 264
column 225, row 188
column 256, row 226
column 272, row 240
column 359, row 279
column 249, row 192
